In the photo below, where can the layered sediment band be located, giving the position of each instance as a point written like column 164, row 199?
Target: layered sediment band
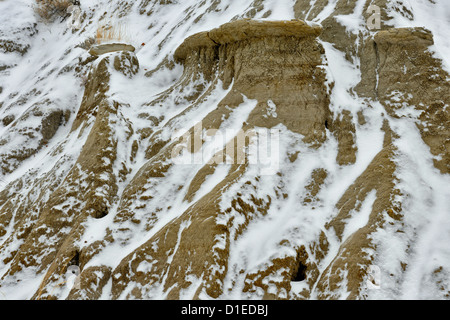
column 243, row 30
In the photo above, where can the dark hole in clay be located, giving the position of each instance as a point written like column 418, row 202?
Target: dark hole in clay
column 75, row 260
column 300, row 275
column 101, row 214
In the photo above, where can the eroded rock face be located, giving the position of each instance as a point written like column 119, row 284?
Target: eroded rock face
column 401, row 72
column 250, row 64
column 44, row 120
column 87, row 191
column 253, row 56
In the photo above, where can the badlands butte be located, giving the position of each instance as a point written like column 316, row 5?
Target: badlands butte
column 90, row 142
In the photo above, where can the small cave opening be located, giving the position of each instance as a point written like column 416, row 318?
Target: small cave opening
column 326, row 124
column 73, row 268
column 101, row 213
column 300, row 274
column 75, row 261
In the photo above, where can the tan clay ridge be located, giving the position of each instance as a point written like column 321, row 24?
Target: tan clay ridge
column 245, row 29
column 413, row 36
column 110, row 47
